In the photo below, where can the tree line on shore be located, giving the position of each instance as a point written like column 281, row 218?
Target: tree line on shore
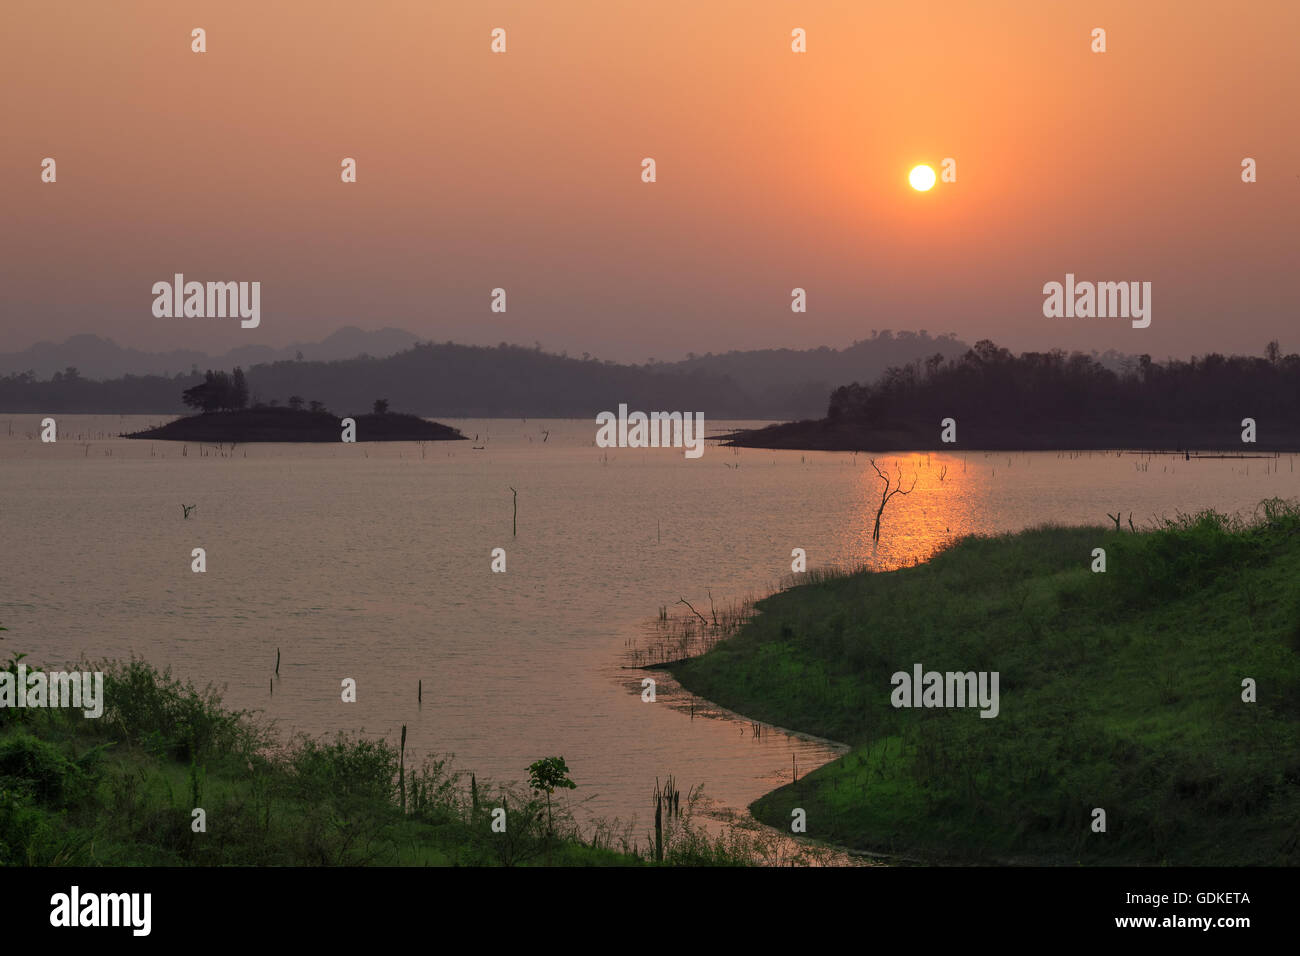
column 989, row 383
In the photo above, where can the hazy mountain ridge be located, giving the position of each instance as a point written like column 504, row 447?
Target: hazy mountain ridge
column 449, row 380
column 460, row 380
column 96, row 357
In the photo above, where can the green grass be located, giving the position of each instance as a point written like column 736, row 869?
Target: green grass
column 1119, row 690
column 119, row 791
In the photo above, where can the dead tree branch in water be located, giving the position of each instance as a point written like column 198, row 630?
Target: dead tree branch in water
column 693, row 611
column 888, row 493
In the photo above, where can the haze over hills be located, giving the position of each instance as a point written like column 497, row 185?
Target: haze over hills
column 100, row 358
column 352, row 368
column 450, row 380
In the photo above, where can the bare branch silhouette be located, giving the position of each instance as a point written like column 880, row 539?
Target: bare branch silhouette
column 697, row 613
column 888, row 493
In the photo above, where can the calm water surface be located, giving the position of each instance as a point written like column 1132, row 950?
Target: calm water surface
column 373, row 562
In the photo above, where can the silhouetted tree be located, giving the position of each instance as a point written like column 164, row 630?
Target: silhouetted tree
column 218, row 391
column 200, row 397
column 887, row 493
column 239, row 389
column 209, row 395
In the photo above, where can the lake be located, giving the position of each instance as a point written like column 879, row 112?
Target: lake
column 373, row 561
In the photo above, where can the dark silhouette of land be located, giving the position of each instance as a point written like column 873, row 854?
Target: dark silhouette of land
column 446, row 380
column 266, row 424
column 226, row 417
column 96, row 357
column 1057, row 401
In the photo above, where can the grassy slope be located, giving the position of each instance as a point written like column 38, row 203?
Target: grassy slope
column 1119, row 690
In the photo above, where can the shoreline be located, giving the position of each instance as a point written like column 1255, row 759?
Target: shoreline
column 1153, row 438
column 178, row 754
column 1154, row 723
column 881, row 856
column 294, row 426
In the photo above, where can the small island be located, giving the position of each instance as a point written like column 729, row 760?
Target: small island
column 224, row 416
column 268, row 424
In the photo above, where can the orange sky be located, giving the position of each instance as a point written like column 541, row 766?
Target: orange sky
column 775, row 170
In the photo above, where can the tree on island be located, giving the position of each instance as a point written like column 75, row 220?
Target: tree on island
column 295, row 402
column 218, row 392
column 381, row 406
column 239, row 385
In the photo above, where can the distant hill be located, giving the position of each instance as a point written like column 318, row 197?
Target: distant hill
column 784, row 384
column 95, row 357
column 431, row 380
column 461, row 381
column 446, row 380
column 795, row 383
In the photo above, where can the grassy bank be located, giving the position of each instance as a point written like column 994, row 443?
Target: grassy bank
column 1119, row 690
column 121, row 790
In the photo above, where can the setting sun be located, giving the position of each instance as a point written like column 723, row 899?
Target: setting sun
column 921, row 178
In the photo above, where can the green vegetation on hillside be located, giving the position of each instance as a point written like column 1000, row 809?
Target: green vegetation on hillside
column 1119, row 690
